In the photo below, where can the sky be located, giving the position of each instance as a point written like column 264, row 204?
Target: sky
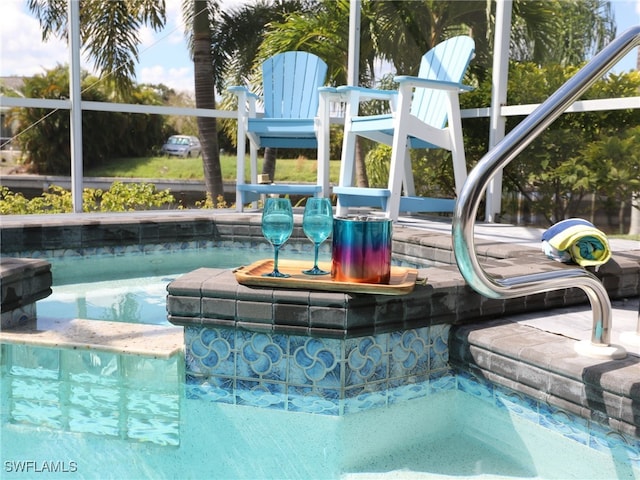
column 164, row 57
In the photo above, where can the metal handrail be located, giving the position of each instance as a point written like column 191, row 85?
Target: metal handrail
column 497, row 158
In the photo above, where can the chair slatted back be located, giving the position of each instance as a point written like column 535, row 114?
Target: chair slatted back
column 290, row 82
column 447, row 61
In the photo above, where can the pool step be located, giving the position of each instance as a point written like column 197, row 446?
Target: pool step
column 156, row 341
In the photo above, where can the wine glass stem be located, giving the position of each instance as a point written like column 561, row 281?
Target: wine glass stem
column 315, row 261
column 276, row 249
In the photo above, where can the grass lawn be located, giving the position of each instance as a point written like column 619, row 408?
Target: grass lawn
column 299, row 170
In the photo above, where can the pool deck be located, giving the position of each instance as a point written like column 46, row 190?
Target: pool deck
column 154, row 341
column 573, row 322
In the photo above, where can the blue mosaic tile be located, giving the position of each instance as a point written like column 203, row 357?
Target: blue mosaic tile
column 470, row 384
column 261, row 394
column 399, row 382
column 362, row 399
column 439, row 351
column 209, row 351
column 314, row 400
column 128, row 250
column 621, row 445
column 154, row 248
column 88, row 251
column 367, row 360
column 212, row 389
column 408, row 392
column 341, row 376
column 409, row 352
column 315, row 361
column 70, row 253
column 565, row 423
column 516, row 404
column 58, row 253
column 443, row 380
column 261, row 356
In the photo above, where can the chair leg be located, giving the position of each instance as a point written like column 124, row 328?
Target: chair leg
column 409, row 186
column 397, row 175
column 253, row 167
column 400, row 167
column 347, row 165
column 242, row 145
column 457, row 143
column 323, row 132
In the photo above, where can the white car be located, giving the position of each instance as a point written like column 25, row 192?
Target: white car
column 182, row 146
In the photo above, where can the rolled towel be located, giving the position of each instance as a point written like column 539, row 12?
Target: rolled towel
column 576, row 240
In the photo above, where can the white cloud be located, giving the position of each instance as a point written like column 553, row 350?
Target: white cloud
column 180, row 79
column 174, row 16
column 21, row 49
column 173, row 31
column 147, row 37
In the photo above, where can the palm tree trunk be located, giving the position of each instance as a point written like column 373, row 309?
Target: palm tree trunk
column 362, row 180
column 205, row 98
column 621, row 217
column 269, row 163
column 634, row 227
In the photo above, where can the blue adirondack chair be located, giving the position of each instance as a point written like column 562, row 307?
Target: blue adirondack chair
column 294, row 117
column 425, row 114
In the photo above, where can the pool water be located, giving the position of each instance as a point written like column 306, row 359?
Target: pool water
column 133, row 288
column 108, row 416
column 87, row 414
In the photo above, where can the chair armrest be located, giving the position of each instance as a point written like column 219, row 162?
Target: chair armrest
column 239, row 89
column 328, row 89
column 367, row 93
column 427, row 83
column 330, row 94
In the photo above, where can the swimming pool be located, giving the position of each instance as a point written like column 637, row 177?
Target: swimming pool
column 133, row 417
column 133, row 287
column 72, row 414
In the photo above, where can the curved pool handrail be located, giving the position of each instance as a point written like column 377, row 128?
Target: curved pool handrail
column 500, row 156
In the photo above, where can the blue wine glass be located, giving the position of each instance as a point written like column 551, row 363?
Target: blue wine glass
column 317, row 224
column 277, row 225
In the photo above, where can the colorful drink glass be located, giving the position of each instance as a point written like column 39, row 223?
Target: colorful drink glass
column 361, row 250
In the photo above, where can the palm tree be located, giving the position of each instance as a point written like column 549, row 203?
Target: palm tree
column 108, row 29
column 109, row 33
column 237, row 38
column 555, row 31
column 203, row 12
column 399, row 32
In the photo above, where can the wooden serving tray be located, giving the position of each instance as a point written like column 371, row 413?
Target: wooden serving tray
column 401, row 282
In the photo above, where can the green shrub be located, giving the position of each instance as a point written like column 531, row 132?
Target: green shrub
column 119, row 198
